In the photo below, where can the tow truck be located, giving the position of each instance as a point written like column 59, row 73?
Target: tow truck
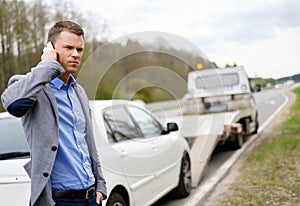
column 224, row 91
column 218, row 109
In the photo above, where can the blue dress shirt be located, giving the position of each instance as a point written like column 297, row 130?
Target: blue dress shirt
column 72, row 167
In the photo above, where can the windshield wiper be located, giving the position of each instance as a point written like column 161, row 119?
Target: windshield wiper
column 11, row 155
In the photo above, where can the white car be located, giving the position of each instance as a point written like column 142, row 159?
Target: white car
column 141, row 159
column 14, row 153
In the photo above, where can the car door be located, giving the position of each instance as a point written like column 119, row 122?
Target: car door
column 134, row 152
column 165, row 155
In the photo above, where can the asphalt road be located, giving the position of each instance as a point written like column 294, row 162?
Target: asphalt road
column 268, row 104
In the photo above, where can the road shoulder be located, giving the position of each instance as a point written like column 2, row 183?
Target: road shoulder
column 223, row 187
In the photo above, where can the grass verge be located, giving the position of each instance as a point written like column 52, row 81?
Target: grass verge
column 271, row 173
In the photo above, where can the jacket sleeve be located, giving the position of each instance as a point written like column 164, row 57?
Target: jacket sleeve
column 22, row 90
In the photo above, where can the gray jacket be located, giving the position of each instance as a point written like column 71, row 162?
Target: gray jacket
column 30, row 97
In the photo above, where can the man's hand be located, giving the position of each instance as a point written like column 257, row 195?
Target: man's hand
column 52, row 54
column 99, row 197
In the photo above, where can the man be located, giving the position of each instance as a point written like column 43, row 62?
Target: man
column 64, row 166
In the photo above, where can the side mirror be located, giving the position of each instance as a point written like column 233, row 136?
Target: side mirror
column 172, row 127
column 257, row 88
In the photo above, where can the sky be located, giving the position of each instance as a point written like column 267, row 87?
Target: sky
column 263, row 36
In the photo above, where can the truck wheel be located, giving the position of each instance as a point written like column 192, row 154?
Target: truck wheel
column 185, row 179
column 239, row 140
column 247, row 127
column 115, row 199
column 256, row 125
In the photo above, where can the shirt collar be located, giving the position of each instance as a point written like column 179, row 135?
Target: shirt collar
column 58, row 83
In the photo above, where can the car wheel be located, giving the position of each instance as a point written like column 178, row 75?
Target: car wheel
column 185, row 178
column 115, row 199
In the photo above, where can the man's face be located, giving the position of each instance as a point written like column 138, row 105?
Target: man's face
column 70, row 50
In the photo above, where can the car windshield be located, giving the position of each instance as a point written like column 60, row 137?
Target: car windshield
column 217, row 81
column 12, row 139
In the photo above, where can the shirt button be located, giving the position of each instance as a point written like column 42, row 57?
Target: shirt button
column 54, row 148
column 45, row 174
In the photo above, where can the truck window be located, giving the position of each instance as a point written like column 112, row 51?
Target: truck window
column 217, row 81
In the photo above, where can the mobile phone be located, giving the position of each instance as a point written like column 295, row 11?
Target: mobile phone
column 48, row 47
